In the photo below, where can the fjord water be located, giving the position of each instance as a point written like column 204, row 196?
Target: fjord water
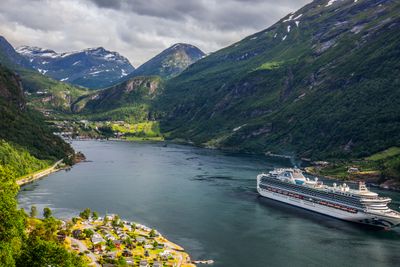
column 206, row 201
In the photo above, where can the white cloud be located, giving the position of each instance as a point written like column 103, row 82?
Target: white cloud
column 137, row 29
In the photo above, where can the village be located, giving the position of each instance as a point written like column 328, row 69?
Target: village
column 110, row 241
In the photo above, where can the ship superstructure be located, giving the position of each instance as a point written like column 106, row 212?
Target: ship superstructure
column 340, row 201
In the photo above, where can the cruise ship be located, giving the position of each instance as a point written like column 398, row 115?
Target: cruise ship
column 339, row 201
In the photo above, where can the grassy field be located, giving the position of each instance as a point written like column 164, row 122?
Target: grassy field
column 388, row 153
column 139, row 131
column 383, row 165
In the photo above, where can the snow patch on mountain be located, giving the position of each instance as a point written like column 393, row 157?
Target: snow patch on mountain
column 92, row 67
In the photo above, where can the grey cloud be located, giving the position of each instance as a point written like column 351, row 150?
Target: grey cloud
column 138, row 29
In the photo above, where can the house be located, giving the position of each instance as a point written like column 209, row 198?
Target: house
column 157, row 264
column 148, row 246
column 111, row 255
column 96, row 239
column 165, row 254
column 130, row 246
column 77, row 233
column 110, row 217
column 353, row 170
column 123, row 236
column 127, row 253
column 110, row 237
column 143, row 263
column 61, row 236
column 117, row 244
column 97, row 248
column 130, row 261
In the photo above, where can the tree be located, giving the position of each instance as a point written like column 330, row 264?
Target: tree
column 155, row 244
column 33, row 212
column 74, row 220
column 47, row 212
column 152, row 233
column 85, row 214
column 128, row 241
column 38, row 253
column 88, row 233
column 95, row 215
column 110, row 244
column 116, row 221
column 122, row 262
column 105, row 220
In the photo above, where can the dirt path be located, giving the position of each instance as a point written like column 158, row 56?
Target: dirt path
column 82, row 248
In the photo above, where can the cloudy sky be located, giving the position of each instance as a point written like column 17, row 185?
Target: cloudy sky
column 138, row 29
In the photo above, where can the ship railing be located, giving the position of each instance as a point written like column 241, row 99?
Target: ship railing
column 375, row 199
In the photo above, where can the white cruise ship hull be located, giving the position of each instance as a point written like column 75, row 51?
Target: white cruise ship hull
column 358, row 217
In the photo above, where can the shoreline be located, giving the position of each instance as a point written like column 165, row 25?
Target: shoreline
column 39, row 174
column 134, row 242
column 309, row 170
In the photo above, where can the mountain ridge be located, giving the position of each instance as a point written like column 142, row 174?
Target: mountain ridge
column 92, row 67
column 169, row 62
column 301, row 87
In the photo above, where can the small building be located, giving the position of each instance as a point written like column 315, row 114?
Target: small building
column 165, row 254
column 353, row 170
column 127, row 253
column 117, row 243
column 77, row 233
column 157, row 264
column 130, row 261
column 130, row 246
column 98, row 248
column 61, row 237
column 143, row 263
column 96, row 239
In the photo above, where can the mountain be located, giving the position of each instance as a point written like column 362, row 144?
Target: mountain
column 23, row 127
column 129, row 101
column 9, row 57
column 42, row 92
column 170, row 62
column 92, row 68
column 323, row 82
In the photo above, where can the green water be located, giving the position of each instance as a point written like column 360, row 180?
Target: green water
column 206, row 201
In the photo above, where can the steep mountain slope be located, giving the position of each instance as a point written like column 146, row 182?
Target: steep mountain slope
column 322, row 82
column 42, row 91
column 23, row 127
column 9, row 57
column 129, row 101
column 170, row 62
column 92, row 68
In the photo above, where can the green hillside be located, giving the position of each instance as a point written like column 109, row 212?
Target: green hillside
column 322, row 82
column 129, row 101
column 46, row 93
column 19, row 125
column 42, row 92
column 169, row 63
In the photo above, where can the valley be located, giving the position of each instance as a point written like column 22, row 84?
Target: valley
column 305, row 78
column 317, row 89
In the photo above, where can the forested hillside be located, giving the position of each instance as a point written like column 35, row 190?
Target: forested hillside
column 323, row 82
column 129, row 101
column 25, row 128
column 43, row 93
